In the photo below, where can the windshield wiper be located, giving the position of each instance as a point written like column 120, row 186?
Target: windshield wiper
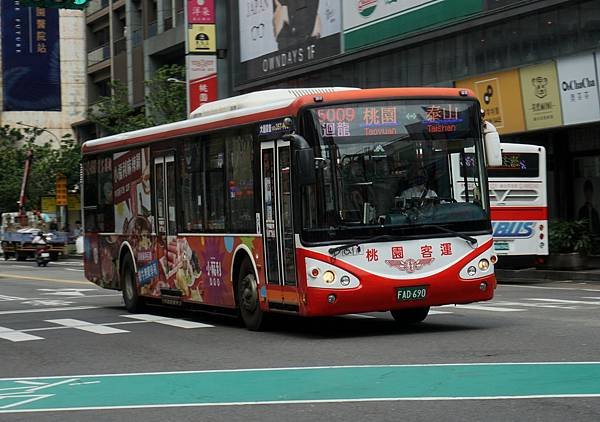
column 472, row 241
column 335, row 251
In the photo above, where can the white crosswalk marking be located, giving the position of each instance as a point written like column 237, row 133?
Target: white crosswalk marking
column 86, row 326
column 181, row 323
column 15, row 336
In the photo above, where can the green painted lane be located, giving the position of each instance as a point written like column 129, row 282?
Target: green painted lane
column 289, row 385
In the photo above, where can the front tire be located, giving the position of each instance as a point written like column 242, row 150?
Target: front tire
column 248, row 298
column 133, row 302
column 411, row 315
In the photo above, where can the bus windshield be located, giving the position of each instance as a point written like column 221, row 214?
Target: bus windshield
column 386, row 165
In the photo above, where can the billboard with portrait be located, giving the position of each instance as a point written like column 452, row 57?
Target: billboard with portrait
column 279, row 35
column 30, row 58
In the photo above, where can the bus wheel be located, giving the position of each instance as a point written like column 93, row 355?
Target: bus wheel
column 248, row 300
column 411, row 315
column 133, row 302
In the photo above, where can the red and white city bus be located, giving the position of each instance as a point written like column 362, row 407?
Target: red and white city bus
column 518, row 199
column 317, row 202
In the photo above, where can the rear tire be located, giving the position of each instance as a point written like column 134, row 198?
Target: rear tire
column 411, row 315
column 248, row 298
column 133, row 302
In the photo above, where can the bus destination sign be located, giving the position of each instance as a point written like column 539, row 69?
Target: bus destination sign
column 391, row 118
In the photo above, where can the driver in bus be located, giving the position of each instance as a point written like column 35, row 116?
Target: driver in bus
column 419, row 189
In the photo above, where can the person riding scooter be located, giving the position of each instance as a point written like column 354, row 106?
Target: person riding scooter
column 42, row 251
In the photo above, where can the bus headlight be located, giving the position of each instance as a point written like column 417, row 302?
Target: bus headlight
column 345, row 280
column 471, row 271
column 483, row 264
column 328, row 277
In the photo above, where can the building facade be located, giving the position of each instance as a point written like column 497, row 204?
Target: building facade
column 533, row 64
column 43, row 69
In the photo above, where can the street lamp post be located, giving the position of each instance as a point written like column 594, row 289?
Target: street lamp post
column 43, row 129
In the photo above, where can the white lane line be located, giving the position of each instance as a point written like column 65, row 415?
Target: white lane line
column 16, row 336
column 180, row 323
column 484, row 308
column 34, row 311
column 580, row 302
column 86, row 326
column 505, row 287
column 4, row 298
column 538, row 305
column 359, row 316
column 434, row 312
column 74, row 269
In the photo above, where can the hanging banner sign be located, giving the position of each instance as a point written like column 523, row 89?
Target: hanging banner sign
column 30, row 58
column 541, row 97
column 578, row 89
column 500, row 97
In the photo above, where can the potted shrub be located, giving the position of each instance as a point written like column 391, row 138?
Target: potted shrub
column 570, row 244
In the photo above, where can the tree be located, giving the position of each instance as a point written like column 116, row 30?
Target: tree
column 48, row 160
column 165, row 103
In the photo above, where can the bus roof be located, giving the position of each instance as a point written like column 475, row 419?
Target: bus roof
column 259, row 106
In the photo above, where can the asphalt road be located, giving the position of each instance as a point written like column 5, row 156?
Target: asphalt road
column 61, row 338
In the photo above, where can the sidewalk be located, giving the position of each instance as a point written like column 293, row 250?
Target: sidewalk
column 532, row 275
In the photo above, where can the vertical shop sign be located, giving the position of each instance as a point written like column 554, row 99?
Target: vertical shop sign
column 202, row 38
column 541, row 97
column 578, row 89
column 500, row 97
column 202, row 75
column 30, row 58
column 201, row 11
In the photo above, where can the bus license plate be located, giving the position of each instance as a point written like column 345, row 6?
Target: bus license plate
column 404, row 294
column 501, row 246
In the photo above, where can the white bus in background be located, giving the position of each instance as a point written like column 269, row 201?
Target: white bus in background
column 518, row 198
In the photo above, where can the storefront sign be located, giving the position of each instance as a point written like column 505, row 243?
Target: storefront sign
column 541, row 97
column 30, row 58
column 372, row 21
column 202, row 74
column 578, row 83
column 202, row 38
column 279, row 36
column 500, row 98
column 201, row 11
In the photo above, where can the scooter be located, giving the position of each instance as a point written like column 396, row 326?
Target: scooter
column 42, row 252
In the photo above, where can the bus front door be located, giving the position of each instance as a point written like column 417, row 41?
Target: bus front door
column 278, row 233
column 165, row 211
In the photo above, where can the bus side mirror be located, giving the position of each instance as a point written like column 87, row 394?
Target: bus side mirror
column 493, row 153
column 305, row 166
column 304, row 159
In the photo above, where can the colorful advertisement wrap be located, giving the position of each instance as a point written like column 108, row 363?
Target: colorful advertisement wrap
column 202, row 74
column 578, row 89
column 30, row 58
column 201, row 11
column 371, row 21
column 500, row 98
column 541, row 97
column 202, row 38
column 278, row 35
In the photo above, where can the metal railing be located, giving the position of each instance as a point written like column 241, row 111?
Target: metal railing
column 95, row 5
column 119, row 46
column 98, row 55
